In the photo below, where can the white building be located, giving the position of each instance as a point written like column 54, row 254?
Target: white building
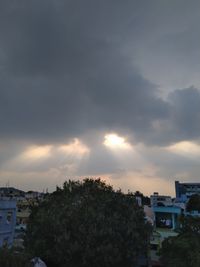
column 160, row 200
column 7, row 221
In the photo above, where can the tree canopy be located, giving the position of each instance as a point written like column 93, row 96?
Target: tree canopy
column 13, row 258
column 194, row 203
column 88, row 224
column 184, row 249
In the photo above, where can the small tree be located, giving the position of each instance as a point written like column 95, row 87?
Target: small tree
column 88, row 224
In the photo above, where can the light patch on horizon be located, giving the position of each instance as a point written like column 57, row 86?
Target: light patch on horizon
column 75, row 147
column 185, row 149
column 146, row 181
column 37, row 152
column 114, row 141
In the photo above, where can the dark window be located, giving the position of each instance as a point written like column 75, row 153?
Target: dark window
column 154, row 247
column 164, row 220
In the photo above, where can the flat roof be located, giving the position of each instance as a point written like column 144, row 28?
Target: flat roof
column 167, row 209
column 189, row 183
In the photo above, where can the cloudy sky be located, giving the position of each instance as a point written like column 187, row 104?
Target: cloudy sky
column 100, row 88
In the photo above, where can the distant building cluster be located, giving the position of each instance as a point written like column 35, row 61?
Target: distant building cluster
column 185, row 190
column 15, row 208
column 164, row 213
column 7, row 222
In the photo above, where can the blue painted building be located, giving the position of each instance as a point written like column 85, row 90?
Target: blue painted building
column 185, row 190
column 166, row 217
column 166, row 221
column 7, row 221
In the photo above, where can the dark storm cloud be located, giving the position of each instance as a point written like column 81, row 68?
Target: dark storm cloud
column 185, row 115
column 65, row 71
column 182, row 122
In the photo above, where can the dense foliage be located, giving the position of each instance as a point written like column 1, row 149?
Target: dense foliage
column 184, row 249
column 194, row 203
column 88, row 224
column 13, row 258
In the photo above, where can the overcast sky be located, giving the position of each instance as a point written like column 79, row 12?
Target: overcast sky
column 100, row 88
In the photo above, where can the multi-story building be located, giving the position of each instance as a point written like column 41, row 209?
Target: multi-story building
column 23, row 213
column 165, row 216
column 185, row 190
column 7, row 221
column 166, row 212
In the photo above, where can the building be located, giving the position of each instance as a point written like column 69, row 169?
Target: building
column 164, row 213
column 160, row 200
column 185, row 190
column 7, row 221
column 11, row 192
column 166, row 217
column 34, row 195
column 23, row 213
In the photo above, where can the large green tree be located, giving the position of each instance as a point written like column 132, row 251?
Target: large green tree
column 184, row 249
column 88, row 224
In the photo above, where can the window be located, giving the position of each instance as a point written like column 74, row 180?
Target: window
column 9, row 217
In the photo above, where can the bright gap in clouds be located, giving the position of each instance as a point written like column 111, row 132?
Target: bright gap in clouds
column 185, row 148
column 114, row 141
column 76, row 147
column 34, row 152
column 37, row 152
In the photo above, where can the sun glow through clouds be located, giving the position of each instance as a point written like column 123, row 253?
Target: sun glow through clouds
column 115, row 141
column 76, row 147
column 37, row 152
column 185, row 148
